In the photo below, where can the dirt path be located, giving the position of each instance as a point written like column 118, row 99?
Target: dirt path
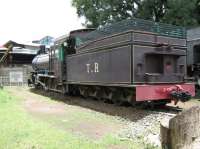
column 78, row 120
column 94, row 119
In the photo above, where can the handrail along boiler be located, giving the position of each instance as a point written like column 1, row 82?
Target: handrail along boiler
column 130, row 61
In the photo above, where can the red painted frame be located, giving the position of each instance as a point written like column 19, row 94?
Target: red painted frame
column 160, row 91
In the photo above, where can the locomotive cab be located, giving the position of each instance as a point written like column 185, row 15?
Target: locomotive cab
column 50, row 65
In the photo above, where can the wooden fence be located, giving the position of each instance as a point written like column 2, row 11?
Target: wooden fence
column 14, row 76
column 5, row 81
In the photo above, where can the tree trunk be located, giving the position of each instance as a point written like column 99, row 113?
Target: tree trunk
column 182, row 130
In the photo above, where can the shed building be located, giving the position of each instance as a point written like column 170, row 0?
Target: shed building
column 15, row 62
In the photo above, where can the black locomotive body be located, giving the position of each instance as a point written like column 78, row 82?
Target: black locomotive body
column 142, row 61
column 193, row 55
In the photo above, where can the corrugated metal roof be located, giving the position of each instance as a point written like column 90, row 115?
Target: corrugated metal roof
column 23, row 51
column 20, row 51
column 20, row 48
column 19, row 44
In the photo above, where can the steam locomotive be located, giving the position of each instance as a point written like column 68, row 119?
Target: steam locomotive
column 130, row 61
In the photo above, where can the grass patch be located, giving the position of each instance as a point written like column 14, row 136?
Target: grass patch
column 19, row 130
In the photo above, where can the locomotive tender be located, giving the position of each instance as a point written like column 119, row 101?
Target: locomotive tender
column 133, row 61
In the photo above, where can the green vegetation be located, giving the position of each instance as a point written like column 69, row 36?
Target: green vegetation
column 101, row 12
column 20, row 130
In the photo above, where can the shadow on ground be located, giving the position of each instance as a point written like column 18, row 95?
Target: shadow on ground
column 127, row 112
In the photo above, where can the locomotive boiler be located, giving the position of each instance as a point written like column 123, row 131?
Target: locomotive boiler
column 130, row 61
column 41, row 63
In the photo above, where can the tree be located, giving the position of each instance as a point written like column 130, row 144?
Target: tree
column 197, row 11
column 101, row 12
column 181, row 12
column 177, row 12
column 152, row 9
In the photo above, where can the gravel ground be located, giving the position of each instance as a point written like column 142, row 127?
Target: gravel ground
column 139, row 124
column 146, row 129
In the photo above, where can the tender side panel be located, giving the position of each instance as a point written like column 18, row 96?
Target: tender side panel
column 155, row 39
column 107, row 41
column 108, row 66
column 171, row 41
column 144, row 37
